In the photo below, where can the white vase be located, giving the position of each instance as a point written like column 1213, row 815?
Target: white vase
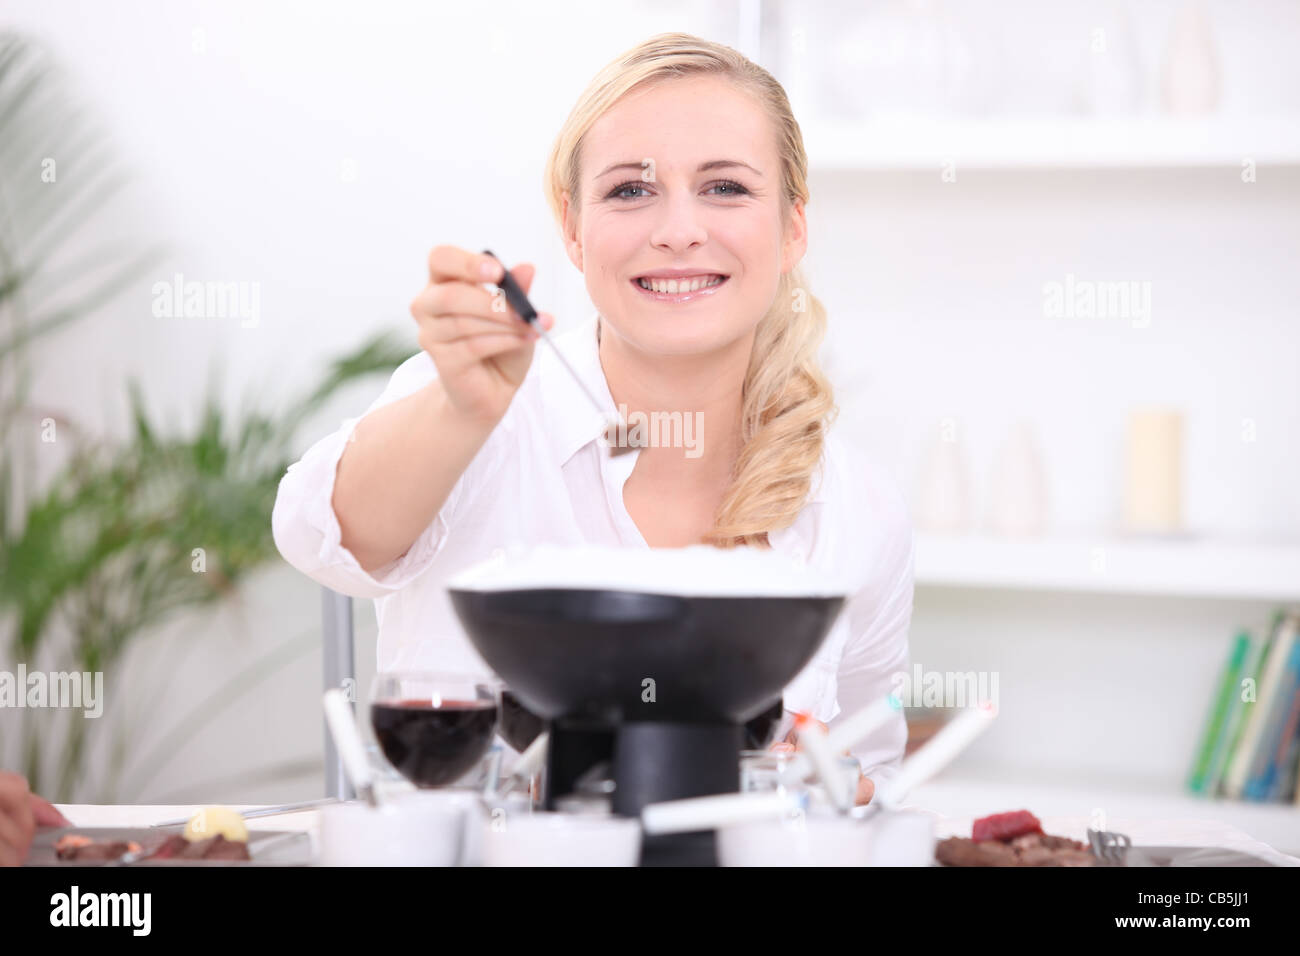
column 1018, row 490
column 1114, row 80
column 1190, row 76
column 943, row 495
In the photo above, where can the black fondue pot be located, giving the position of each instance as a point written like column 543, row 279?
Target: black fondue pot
column 659, row 685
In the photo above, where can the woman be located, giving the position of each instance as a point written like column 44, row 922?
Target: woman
column 681, row 162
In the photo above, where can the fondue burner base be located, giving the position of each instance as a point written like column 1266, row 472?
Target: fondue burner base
column 651, row 762
column 680, row 849
column 654, row 762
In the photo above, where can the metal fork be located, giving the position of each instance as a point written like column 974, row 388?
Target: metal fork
column 1110, row 848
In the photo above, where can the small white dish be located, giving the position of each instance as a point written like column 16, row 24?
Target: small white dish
column 801, row 840
column 902, row 838
column 423, row 828
column 544, row 838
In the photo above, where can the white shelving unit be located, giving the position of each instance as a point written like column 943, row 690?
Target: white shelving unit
column 1011, row 774
column 1173, row 568
column 1053, row 143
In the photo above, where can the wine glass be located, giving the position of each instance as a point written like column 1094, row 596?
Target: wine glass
column 433, row 727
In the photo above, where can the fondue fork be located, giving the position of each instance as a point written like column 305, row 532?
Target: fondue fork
column 519, row 302
column 937, row 752
column 725, row 809
column 529, row 762
column 262, row 811
column 343, row 727
column 1110, row 848
column 814, row 742
column 849, row 731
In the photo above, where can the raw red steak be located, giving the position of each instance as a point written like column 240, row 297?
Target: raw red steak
column 1005, row 826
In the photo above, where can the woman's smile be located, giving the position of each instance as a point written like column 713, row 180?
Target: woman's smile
column 678, row 290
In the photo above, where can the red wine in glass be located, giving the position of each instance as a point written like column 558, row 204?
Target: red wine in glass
column 519, row 725
column 433, row 743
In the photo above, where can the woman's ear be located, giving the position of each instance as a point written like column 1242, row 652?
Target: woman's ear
column 572, row 244
column 796, row 238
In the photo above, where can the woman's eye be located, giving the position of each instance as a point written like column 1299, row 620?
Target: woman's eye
column 736, row 188
column 622, row 192
column 619, row 191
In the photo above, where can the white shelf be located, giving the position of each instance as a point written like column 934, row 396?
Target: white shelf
column 1135, row 142
column 959, row 796
column 1183, row 568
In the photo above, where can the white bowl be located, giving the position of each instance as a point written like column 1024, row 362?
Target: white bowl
column 901, row 838
column 560, row 839
column 416, row 829
column 809, row 840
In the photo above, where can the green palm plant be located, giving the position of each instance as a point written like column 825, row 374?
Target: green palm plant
column 105, row 550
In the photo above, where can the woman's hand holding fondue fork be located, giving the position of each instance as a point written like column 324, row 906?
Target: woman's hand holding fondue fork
column 417, row 448
column 481, row 348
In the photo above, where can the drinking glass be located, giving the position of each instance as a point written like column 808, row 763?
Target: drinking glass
column 434, row 728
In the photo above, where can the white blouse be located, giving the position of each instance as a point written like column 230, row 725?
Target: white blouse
column 543, row 476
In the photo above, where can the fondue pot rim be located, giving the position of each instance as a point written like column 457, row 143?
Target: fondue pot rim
column 693, row 571
column 655, row 592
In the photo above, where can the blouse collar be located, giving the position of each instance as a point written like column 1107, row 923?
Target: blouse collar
column 568, row 409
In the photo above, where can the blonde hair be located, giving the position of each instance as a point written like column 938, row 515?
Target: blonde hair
column 787, row 405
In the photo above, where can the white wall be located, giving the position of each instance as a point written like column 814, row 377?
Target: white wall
column 937, row 301
column 445, row 112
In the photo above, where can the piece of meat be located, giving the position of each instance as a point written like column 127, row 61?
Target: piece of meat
column 66, row 846
column 170, row 847
column 213, row 848
column 82, row 849
column 74, row 846
column 1030, row 849
column 1039, row 849
column 1005, row 826
column 960, row 851
column 224, row 849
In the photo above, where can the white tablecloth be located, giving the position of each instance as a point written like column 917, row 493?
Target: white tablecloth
column 1143, row 832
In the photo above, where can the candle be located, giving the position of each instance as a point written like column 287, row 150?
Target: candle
column 1153, row 484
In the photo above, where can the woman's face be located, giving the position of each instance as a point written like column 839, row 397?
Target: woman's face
column 683, row 176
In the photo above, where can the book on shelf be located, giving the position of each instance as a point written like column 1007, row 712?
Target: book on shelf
column 1264, row 780
column 1259, row 718
column 1217, row 720
column 1235, row 719
column 1287, row 756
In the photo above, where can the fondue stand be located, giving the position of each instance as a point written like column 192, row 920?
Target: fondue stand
column 652, row 674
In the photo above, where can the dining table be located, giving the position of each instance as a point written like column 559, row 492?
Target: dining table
column 1190, row 830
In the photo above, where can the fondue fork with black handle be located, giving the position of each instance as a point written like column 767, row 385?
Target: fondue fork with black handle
column 519, row 302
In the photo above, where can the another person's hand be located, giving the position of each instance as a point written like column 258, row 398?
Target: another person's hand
column 21, row 812
column 866, row 787
column 482, row 354
column 47, row 814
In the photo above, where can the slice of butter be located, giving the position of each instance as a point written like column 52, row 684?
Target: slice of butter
column 214, row 821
